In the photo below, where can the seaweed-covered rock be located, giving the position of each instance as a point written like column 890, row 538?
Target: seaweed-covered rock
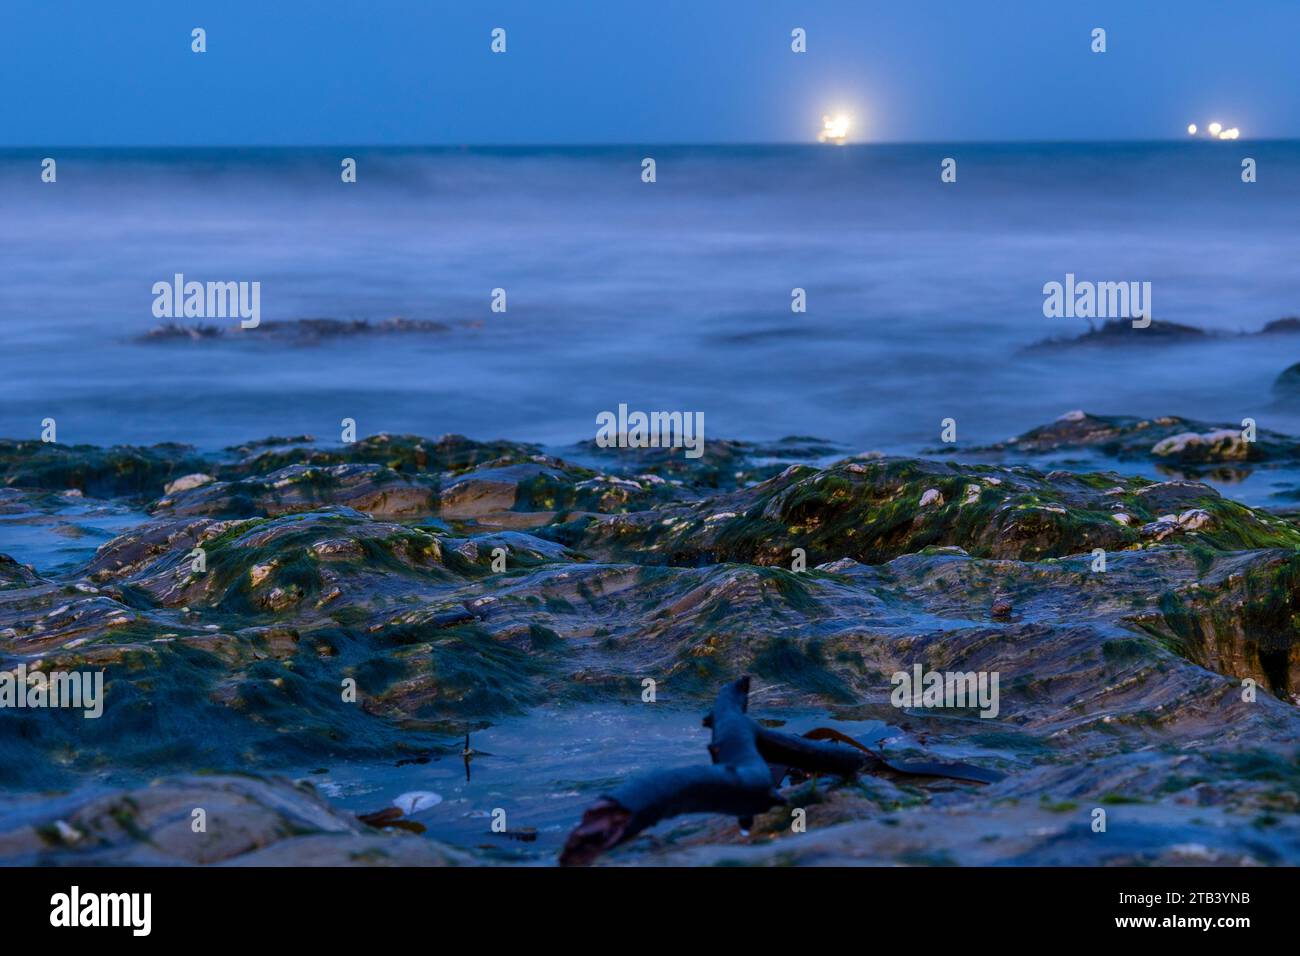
column 723, row 464
column 288, row 614
column 408, row 454
column 15, row 575
column 1241, row 616
column 38, row 615
column 273, row 564
column 125, row 470
column 511, row 493
column 373, row 489
column 876, row 510
column 1168, row 439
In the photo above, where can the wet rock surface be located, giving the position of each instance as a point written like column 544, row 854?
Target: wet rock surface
column 1167, row 439
column 881, row 508
column 1246, row 458
column 453, row 585
column 123, row 471
column 374, row 489
column 246, row 821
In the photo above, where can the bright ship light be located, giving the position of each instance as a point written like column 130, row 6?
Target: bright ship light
column 1215, row 130
column 835, row 129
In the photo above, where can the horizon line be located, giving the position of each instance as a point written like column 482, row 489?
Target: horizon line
column 637, row 145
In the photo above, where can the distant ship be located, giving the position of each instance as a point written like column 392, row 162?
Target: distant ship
column 835, row 129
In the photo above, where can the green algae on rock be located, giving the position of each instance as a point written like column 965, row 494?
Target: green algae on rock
column 132, row 471
column 408, row 454
column 1168, row 440
column 875, row 510
column 374, row 489
column 452, row 583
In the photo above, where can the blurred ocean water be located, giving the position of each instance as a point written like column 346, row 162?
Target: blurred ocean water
column 672, row 295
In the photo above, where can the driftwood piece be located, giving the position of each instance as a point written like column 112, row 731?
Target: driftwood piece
column 809, row 755
column 738, row 783
column 749, row 761
column 812, row 756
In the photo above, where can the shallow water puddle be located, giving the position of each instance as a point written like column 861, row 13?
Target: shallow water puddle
column 544, row 768
column 56, row 531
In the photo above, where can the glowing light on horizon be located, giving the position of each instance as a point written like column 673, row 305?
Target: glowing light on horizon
column 1215, row 130
column 835, row 129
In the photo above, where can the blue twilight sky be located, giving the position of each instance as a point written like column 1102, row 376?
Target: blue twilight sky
column 309, row 72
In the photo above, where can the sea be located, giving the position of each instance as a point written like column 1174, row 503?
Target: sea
column 924, row 300
column 922, row 296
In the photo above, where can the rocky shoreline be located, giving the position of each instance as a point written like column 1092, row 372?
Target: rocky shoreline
column 458, row 582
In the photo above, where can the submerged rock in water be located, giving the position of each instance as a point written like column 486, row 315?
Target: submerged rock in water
column 1290, row 325
column 293, row 331
column 1288, row 382
column 1116, row 332
column 1119, row 332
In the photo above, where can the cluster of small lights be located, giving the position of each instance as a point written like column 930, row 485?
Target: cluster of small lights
column 1216, row 131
